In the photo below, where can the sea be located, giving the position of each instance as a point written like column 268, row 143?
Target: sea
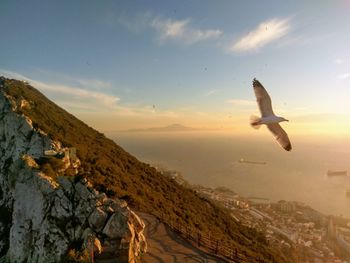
column 213, row 159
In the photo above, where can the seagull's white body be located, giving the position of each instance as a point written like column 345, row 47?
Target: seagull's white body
column 268, row 117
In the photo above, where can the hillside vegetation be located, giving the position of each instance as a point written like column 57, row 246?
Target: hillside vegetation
column 112, row 170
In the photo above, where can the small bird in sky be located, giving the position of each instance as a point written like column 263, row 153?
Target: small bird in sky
column 268, row 117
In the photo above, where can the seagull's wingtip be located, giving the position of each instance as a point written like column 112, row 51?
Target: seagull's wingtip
column 256, row 82
column 288, row 147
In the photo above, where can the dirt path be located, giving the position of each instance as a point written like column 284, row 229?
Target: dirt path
column 164, row 246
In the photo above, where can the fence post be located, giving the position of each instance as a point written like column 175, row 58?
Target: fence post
column 91, row 245
column 217, row 247
column 234, row 253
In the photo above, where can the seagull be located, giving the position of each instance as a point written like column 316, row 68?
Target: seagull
column 268, row 117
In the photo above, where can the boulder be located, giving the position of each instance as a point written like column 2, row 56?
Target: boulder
column 98, row 219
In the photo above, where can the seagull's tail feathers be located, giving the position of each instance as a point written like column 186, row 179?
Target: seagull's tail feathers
column 254, row 122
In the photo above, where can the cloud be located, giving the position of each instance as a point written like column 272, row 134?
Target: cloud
column 242, row 102
column 166, row 28
column 90, row 84
column 68, row 92
column 344, row 76
column 263, row 34
column 211, row 92
column 94, row 83
column 12, row 74
column 181, row 30
column 134, row 23
column 107, row 100
column 338, row 61
column 79, row 100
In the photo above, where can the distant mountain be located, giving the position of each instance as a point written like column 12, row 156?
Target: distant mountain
column 170, row 128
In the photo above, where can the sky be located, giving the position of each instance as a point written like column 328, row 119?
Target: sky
column 136, row 64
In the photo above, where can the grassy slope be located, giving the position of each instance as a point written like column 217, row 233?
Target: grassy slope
column 113, row 170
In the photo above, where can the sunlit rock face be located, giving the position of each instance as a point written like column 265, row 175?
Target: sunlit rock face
column 42, row 216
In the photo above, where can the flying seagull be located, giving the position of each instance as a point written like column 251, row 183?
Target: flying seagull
column 268, row 117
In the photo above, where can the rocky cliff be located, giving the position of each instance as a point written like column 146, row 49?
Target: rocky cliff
column 45, row 211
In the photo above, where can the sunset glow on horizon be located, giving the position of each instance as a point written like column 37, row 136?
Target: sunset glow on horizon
column 131, row 65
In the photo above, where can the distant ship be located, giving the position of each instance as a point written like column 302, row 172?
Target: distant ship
column 250, row 162
column 337, row 173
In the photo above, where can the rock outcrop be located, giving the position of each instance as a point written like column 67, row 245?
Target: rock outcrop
column 44, row 213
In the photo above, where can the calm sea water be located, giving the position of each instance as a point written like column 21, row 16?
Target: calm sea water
column 211, row 159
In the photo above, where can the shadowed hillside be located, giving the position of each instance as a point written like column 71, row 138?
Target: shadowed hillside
column 116, row 172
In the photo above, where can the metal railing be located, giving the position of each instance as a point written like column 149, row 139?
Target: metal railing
column 214, row 246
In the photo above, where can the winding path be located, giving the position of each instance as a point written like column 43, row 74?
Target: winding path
column 164, row 246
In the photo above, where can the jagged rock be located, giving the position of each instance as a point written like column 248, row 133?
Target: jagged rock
column 2, row 233
column 102, row 197
column 97, row 246
column 30, row 161
column 42, row 216
column 24, row 104
column 97, row 219
column 65, row 184
column 128, row 231
column 116, row 226
column 137, row 226
column 62, row 208
column 84, row 192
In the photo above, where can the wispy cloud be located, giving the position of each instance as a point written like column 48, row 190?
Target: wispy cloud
column 344, row 76
column 85, row 83
column 182, row 30
column 134, row 23
column 211, row 92
column 79, row 100
column 263, row 34
column 71, row 93
column 240, row 102
column 12, row 74
column 94, row 83
column 338, row 61
column 107, row 100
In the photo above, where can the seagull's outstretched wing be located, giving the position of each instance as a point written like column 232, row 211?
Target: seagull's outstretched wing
column 280, row 135
column 263, row 99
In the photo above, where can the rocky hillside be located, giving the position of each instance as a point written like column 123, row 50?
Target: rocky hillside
column 101, row 162
column 52, row 217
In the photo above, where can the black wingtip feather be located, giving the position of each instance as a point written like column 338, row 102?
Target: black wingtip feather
column 288, row 147
column 256, row 82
